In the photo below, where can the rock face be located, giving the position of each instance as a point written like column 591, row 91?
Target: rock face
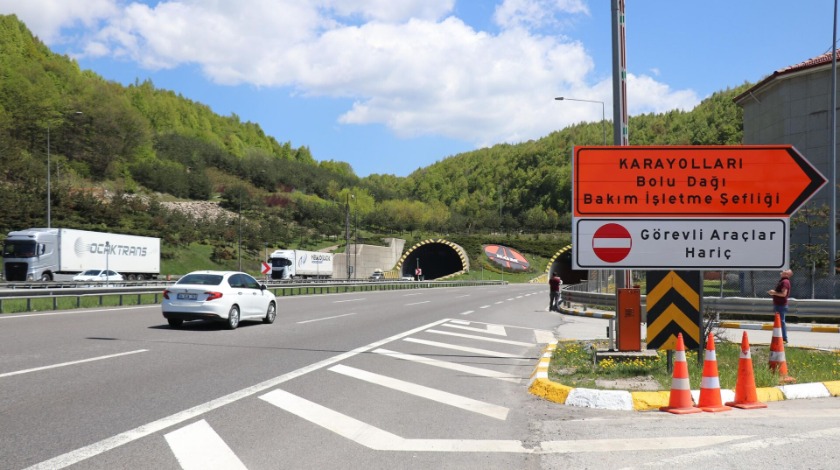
column 200, row 209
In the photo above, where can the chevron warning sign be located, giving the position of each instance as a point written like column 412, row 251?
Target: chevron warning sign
column 674, row 303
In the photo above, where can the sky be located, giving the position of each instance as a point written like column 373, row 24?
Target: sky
column 390, row 86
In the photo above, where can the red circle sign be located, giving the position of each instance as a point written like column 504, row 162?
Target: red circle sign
column 611, row 243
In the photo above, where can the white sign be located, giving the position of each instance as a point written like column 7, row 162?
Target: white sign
column 695, row 243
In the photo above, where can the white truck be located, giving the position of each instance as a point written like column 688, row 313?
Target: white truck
column 44, row 253
column 292, row 264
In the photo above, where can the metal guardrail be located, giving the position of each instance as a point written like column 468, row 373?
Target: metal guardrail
column 133, row 294
column 728, row 306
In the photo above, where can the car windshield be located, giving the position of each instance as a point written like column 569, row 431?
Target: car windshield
column 91, row 272
column 201, row 279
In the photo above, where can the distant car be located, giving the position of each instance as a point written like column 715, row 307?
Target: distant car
column 98, row 275
column 228, row 296
column 377, row 276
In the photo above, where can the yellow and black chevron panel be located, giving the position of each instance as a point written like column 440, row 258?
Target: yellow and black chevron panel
column 674, row 303
column 554, row 258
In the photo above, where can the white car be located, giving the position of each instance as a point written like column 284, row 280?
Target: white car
column 98, row 275
column 230, row 296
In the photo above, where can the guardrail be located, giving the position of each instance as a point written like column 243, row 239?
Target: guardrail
column 720, row 306
column 55, row 296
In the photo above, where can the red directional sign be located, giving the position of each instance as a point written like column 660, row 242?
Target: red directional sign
column 266, row 268
column 692, row 181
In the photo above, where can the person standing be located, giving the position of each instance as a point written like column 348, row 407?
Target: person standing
column 780, row 299
column 554, row 292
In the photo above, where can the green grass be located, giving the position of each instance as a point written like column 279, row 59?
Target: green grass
column 572, row 365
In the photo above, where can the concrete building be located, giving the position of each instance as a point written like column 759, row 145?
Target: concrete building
column 793, row 106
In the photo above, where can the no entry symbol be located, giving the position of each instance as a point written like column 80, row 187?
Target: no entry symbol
column 611, row 243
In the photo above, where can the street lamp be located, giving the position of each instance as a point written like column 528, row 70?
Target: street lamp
column 356, row 236
column 49, row 185
column 603, row 114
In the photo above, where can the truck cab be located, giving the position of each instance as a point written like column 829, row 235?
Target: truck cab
column 30, row 255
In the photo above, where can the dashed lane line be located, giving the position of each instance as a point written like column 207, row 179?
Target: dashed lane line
column 198, row 447
column 71, row 363
column 326, row 318
column 446, row 398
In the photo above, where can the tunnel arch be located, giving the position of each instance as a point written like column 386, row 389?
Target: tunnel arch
column 561, row 263
column 438, row 258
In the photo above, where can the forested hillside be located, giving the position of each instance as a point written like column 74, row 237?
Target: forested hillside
column 117, row 152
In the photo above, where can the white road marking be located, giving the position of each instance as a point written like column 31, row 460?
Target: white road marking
column 640, row 444
column 75, row 456
column 375, row 438
column 460, row 322
column 497, row 330
column 348, row 300
column 198, row 447
column 485, row 306
column 493, row 374
column 770, row 443
column 10, row 316
column 467, row 312
column 500, row 302
column 410, row 295
column 483, row 352
column 543, row 336
column 481, row 338
column 418, row 303
column 462, row 296
column 510, row 299
column 446, row 398
column 71, row 363
column 325, row 318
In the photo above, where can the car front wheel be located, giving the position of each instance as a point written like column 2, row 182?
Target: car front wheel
column 233, row 318
column 271, row 314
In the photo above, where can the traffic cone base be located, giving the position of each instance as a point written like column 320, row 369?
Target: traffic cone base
column 679, row 401
column 746, row 396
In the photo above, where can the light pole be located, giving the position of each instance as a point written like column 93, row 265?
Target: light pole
column 239, row 249
column 603, row 113
column 356, row 236
column 49, row 171
column 107, row 253
column 347, row 233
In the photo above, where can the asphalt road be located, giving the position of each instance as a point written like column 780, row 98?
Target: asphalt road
column 431, row 378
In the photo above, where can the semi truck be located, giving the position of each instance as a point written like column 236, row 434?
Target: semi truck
column 44, row 253
column 293, row 264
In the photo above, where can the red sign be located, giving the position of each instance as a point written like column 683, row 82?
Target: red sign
column 507, row 257
column 611, row 243
column 687, row 181
column 266, row 268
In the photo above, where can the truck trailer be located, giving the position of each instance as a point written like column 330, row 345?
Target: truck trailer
column 43, row 253
column 299, row 264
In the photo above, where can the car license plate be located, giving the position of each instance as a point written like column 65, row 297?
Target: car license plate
column 187, row 296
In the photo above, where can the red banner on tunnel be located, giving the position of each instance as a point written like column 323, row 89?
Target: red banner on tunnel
column 506, row 257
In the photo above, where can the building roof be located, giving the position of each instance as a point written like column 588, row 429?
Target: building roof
column 814, row 62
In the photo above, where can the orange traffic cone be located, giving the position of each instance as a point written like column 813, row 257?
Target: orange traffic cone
column 777, row 353
column 679, row 401
column 746, row 396
column 710, row 384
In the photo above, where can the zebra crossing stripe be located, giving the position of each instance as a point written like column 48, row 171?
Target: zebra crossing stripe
column 481, row 338
column 198, row 447
column 446, row 398
column 493, row 374
column 497, row 330
column 483, row 352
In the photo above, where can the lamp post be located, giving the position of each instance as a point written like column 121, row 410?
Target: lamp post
column 107, row 253
column 603, row 113
column 356, row 237
column 347, row 233
column 49, row 171
column 239, row 248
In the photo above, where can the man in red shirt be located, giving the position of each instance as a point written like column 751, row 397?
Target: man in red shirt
column 554, row 292
column 780, row 299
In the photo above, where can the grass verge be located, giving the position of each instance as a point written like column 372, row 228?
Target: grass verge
column 573, row 365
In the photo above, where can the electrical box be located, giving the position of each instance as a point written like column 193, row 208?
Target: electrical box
column 629, row 316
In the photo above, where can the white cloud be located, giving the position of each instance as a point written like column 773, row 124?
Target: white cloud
column 46, row 18
column 409, row 65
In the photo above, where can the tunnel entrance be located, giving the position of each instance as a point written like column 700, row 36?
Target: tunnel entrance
column 561, row 263
column 436, row 258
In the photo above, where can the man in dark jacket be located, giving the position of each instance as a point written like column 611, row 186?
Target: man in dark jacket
column 554, row 292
